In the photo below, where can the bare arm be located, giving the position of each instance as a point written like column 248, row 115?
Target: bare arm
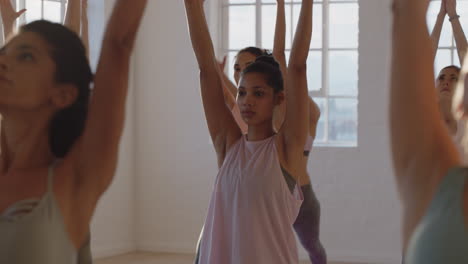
column 9, row 16
column 421, row 146
column 229, row 89
column 435, row 35
column 85, row 25
column 95, row 154
column 460, row 38
column 314, row 116
column 223, row 129
column 295, row 128
column 73, row 16
column 280, row 37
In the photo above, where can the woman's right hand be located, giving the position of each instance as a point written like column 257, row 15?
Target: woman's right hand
column 9, row 15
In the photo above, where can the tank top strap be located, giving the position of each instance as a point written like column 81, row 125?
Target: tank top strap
column 50, row 177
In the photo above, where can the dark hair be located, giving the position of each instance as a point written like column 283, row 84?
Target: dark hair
column 257, row 52
column 72, row 67
column 458, row 69
column 270, row 69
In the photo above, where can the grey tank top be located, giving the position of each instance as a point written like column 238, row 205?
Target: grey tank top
column 38, row 236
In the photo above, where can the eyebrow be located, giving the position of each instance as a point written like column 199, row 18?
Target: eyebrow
column 20, row 47
column 27, row 47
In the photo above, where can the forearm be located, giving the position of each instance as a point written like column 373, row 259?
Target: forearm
column 280, row 33
column 73, row 15
column 8, row 28
column 124, row 23
column 85, row 25
column 303, row 36
column 435, row 35
column 200, row 36
column 460, row 39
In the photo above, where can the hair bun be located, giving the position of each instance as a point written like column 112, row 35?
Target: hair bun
column 269, row 59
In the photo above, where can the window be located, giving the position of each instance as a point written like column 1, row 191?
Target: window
column 333, row 57
column 447, row 52
column 53, row 10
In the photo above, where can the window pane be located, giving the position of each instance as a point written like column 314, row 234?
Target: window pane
column 241, row 1
column 344, row 29
column 314, row 70
column 241, row 26
column 52, row 11
column 446, row 35
column 34, row 10
column 269, row 23
column 317, row 24
column 343, row 72
column 342, row 120
column 321, row 136
column 443, row 59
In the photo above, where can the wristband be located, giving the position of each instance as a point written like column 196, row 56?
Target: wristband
column 454, row 17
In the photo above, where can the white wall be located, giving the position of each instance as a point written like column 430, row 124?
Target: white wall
column 176, row 166
column 113, row 224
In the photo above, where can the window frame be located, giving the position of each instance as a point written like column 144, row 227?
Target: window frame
column 21, row 4
column 324, row 92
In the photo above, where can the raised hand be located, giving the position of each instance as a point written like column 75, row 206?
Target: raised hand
column 9, row 16
column 222, row 64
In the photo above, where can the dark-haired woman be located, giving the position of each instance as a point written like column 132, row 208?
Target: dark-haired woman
column 59, row 152
column 257, row 194
column 307, row 225
column 76, row 19
column 448, row 76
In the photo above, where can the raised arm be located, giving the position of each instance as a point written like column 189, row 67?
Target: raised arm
column 229, row 89
column 296, row 121
column 73, row 16
column 314, row 116
column 95, row 154
column 223, row 129
column 279, row 45
column 435, row 35
column 460, row 38
column 9, row 16
column 85, row 25
column 422, row 149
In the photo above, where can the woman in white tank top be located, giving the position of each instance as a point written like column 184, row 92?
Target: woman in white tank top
column 307, row 226
column 252, row 211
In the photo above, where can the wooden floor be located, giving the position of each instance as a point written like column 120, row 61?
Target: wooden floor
column 152, row 258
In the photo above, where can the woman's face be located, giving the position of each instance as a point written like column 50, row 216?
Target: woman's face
column 27, row 76
column 446, row 82
column 256, row 99
column 243, row 60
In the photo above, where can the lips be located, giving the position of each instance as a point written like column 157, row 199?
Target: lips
column 248, row 113
column 445, row 90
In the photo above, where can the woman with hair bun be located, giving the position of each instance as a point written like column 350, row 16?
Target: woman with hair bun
column 257, row 195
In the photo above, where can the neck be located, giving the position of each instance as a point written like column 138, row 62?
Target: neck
column 260, row 131
column 24, row 143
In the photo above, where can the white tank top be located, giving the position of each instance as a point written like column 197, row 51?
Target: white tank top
column 252, row 211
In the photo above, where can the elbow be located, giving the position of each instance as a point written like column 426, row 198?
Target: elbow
column 122, row 43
